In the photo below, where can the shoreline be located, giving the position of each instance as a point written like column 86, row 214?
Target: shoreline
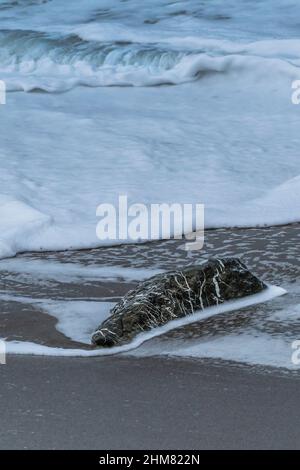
column 39, row 291
column 89, row 350
column 154, row 242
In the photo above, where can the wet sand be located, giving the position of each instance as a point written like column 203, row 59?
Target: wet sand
column 154, row 403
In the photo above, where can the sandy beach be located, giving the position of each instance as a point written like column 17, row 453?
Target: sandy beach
column 148, row 398
column 125, row 124
column 150, row 403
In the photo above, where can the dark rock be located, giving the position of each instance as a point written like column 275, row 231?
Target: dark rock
column 172, row 295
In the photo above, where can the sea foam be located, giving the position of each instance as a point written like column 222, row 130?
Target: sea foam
column 90, row 314
column 219, row 130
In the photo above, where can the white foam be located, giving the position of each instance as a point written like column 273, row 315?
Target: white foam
column 227, row 137
column 287, row 314
column 78, row 319
column 17, row 347
column 264, row 350
column 51, row 196
column 68, row 272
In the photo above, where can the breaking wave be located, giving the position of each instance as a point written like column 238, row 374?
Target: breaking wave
column 52, row 62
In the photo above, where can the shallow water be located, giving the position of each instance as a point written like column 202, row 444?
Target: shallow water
column 81, row 286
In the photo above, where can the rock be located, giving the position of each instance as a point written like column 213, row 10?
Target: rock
column 172, row 295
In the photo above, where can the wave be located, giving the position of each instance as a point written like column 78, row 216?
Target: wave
column 33, row 60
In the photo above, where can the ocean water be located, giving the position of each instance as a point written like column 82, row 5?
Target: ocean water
column 164, row 101
column 51, row 303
